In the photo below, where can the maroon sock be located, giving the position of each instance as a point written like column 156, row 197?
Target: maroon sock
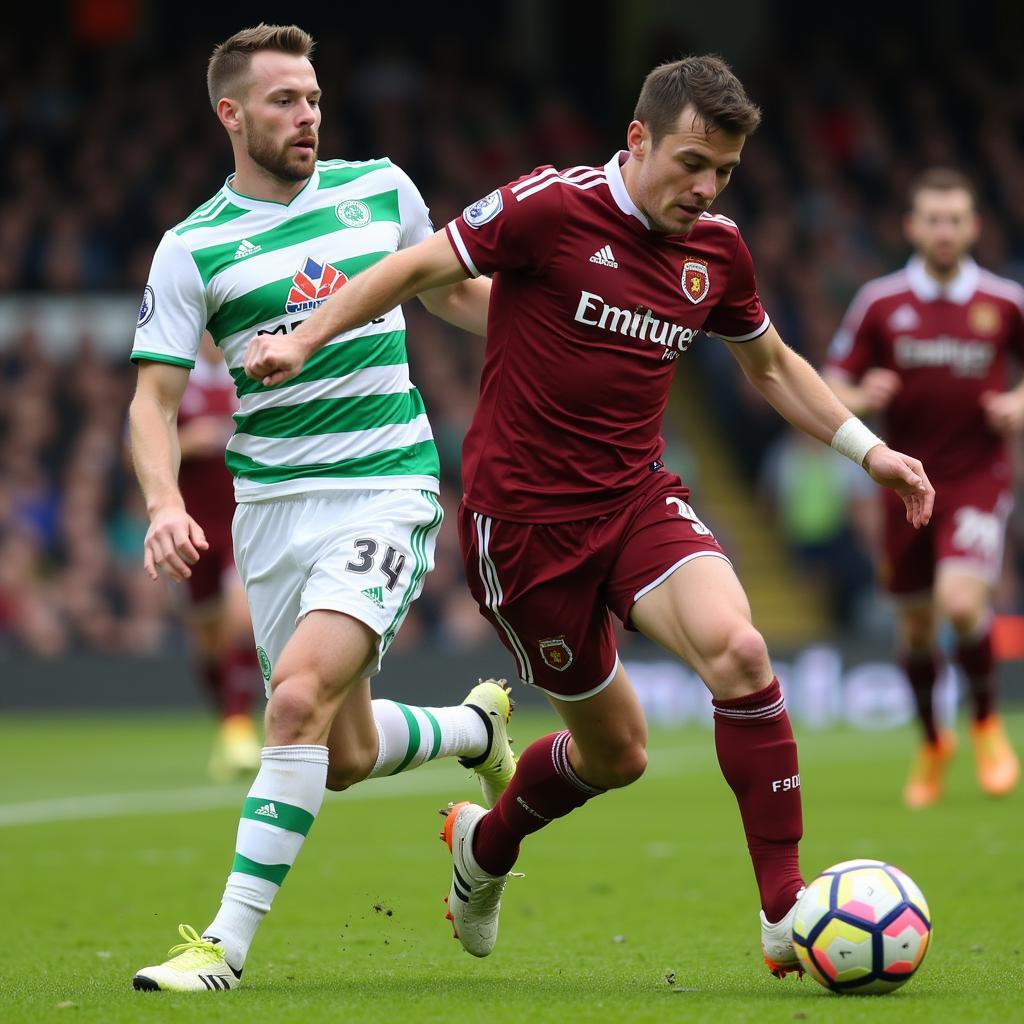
column 241, row 681
column 544, row 787
column 922, row 669
column 757, row 753
column 974, row 656
column 212, row 674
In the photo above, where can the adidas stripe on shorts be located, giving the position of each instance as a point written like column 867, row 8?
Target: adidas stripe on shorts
column 361, row 552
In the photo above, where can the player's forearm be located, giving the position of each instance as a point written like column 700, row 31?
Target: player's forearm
column 794, row 389
column 155, row 453
column 464, row 305
column 848, row 393
column 372, row 293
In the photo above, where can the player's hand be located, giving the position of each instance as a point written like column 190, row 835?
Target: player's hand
column 906, row 476
column 1004, row 411
column 878, row 387
column 173, row 542
column 274, row 358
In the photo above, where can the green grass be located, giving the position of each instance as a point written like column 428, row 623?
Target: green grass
column 643, row 882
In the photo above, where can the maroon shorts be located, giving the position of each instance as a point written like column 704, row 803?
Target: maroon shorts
column 207, row 579
column 966, row 532
column 547, row 588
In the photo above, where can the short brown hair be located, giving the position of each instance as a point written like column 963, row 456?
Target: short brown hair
column 709, row 84
column 940, row 179
column 230, row 60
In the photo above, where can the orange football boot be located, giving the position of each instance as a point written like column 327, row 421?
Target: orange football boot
column 924, row 784
column 996, row 762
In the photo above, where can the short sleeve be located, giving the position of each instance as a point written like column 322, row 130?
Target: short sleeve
column 415, row 217
column 514, row 227
column 739, row 316
column 172, row 316
column 854, row 348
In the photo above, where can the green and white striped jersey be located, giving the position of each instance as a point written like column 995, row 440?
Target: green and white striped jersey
column 238, row 267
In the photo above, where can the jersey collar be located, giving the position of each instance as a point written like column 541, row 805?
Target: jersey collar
column 958, row 291
column 249, row 203
column 613, row 172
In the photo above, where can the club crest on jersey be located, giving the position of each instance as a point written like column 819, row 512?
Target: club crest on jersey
column 353, row 213
column 696, row 280
column 556, row 653
column 983, row 318
column 312, row 286
column 147, row 307
column 483, row 210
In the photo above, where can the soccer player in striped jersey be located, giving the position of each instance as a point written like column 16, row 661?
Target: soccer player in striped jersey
column 928, row 349
column 604, row 278
column 336, row 473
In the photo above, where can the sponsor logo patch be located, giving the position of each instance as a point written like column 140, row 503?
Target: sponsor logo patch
column 983, row 318
column 312, row 286
column 696, row 280
column 483, row 210
column 374, row 594
column 556, row 653
column 147, row 307
column 353, row 213
column 261, row 657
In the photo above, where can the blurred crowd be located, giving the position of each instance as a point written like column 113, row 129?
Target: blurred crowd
column 104, row 148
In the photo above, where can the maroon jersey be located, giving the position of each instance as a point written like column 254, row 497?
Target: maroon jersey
column 204, row 480
column 590, row 309
column 949, row 344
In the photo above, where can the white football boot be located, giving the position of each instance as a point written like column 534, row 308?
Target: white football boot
column 195, row 965
column 474, row 899
column 494, row 768
column 777, row 943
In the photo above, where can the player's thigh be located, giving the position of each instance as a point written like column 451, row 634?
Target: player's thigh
column 915, row 622
column 543, row 595
column 701, row 614
column 906, row 568
column 962, row 596
column 368, row 554
column 237, row 621
column 609, row 733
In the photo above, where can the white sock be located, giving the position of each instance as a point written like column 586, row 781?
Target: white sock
column 410, row 736
column 282, row 804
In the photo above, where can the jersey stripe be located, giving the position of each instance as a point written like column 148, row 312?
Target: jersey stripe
column 582, row 185
column 302, row 228
column 367, row 380
column 419, row 459
column 268, row 301
column 332, row 415
column 334, row 173
column 160, row 357
column 335, row 360
column 222, row 215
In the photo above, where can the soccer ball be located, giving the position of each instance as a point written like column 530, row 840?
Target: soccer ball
column 862, row 926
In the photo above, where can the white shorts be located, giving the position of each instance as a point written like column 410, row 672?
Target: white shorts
column 364, row 553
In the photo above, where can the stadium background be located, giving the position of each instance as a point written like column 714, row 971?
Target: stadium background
column 108, row 139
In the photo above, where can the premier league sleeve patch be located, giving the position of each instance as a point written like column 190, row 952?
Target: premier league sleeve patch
column 147, row 307
column 483, row 210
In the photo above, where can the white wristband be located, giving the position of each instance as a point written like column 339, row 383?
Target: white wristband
column 854, row 440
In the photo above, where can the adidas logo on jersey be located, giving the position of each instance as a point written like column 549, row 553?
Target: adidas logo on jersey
column 375, row 594
column 604, row 257
column 266, row 811
column 246, row 248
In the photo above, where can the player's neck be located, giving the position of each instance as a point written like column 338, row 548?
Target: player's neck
column 942, row 275
column 254, row 182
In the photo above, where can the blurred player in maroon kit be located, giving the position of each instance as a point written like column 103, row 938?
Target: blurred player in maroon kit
column 603, row 278
column 217, row 613
column 928, row 347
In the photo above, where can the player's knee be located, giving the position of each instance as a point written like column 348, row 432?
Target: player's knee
column 963, row 611
column 743, row 665
column 619, row 767
column 349, row 766
column 295, row 711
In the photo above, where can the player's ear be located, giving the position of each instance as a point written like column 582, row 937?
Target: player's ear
column 637, row 139
column 229, row 113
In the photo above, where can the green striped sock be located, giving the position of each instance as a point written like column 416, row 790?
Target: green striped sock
column 276, row 816
column 409, row 736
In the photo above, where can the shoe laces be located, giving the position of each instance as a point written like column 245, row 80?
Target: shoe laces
column 195, row 951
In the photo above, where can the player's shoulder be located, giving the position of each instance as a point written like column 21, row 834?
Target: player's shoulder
column 993, row 286
column 557, row 182
column 217, row 210
column 718, row 223
column 336, row 173
column 894, row 286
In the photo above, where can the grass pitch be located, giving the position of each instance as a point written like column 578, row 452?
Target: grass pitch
column 641, row 907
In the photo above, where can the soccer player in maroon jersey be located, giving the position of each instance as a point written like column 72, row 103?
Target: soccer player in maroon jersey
column 217, row 614
column 927, row 348
column 603, row 277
